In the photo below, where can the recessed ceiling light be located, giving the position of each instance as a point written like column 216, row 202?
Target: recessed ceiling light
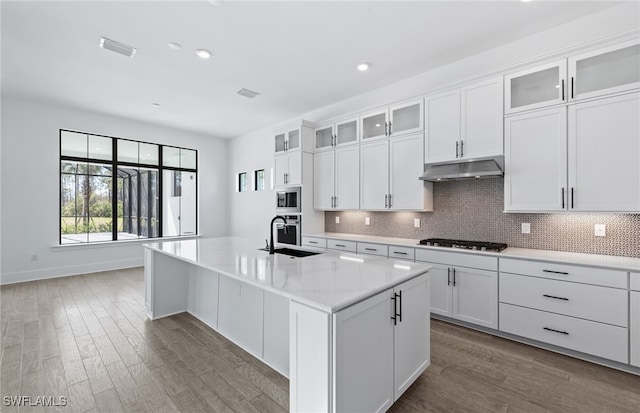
column 203, row 53
column 363, row 66
column 116, row 47
column 155, row 105
column 175, row 46
column 247, row 93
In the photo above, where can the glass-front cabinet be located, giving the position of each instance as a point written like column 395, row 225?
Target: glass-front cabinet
column 375, row 125
column 401, row 119
column 610, row 70
column 287, row 140
column 535, row 88
column 336, row 134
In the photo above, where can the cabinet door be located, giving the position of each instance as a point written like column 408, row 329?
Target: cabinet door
column 610, row 70
column 482, row 119
column 411, row 345
column 536, row 161
column 374, row 175
column 634, row 328
column 475, row 296
column 280, row 141
column 324, row 137
column 281, row 167
column 294, row 168
column 536, row 88
column 323, row 180
column 442, row 116
column 293, row 140
column 347, row 177
column 347, row 132
column 406, row 118
column 374, row 125
column 276, row 332
column 203, row 295
column 363, row 356
column 406, row 165
column 440, row 290
column 240, row 314
column 604, row 154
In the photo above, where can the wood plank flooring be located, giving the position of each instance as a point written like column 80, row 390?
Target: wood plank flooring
column 87, row 338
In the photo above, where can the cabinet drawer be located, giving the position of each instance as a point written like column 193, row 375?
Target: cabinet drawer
column 372, row 249
column 403, row 253
column 635, row 281
column 342, row 245
column 458, row 259
column 314, row 242
column 602, row 340
column 586, row 275
column 603, row 304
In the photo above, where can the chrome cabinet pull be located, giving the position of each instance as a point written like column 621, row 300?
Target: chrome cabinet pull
column 389, row 128
column 555, row 297
column 386, row 198
column 462, row 149
column 390, row 201
column 457, row 143
column 556, row 272
column 386, row 126
column 555, row 331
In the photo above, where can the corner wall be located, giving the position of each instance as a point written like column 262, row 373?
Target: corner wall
column 30, row 189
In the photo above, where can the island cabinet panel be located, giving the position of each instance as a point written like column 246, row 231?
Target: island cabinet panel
column 309, row 359
column 203, row 295
column 240, row 314
column 634, row 327
column 276, row 332
column 166, row 283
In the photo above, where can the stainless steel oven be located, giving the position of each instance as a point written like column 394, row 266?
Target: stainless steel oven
column 288, row 201
column 292, row 235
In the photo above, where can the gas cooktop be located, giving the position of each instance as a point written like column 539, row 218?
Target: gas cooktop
column 466, row 245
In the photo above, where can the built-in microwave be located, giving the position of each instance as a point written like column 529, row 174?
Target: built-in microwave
column 288, row 200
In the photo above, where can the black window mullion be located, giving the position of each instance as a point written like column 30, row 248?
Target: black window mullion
column 160, row 191
column 114, row 190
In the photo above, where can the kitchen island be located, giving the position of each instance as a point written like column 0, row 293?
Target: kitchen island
column 351, row 332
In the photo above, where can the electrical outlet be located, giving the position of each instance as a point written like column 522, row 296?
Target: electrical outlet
column 416, row 222
column 600, row 230
column 526, row 228
column 367, row 221
column 337, row 220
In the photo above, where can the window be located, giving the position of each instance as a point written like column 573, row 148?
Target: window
column 242, row 182
column 258, row 180
column 116, row 189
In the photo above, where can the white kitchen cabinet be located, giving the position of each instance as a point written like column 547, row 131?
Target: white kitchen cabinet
column 382, row 345
column 634, row 318
column 588, row 162
column 604, row 154
column 294, row 138
column 336, row 177
column 288, row 169
column 240, row 314
column 203, row 295
column 389, row 171
column 465, row 123
column 336, row 134
column 276, row 332
column 463, row 293
column 401, row 119
column 536, row 87
column 604, row 71
column 536, row 161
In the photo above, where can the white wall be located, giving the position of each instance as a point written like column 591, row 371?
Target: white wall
column 256, row 149
column 30, row 188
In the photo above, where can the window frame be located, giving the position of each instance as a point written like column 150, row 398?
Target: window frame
column 114, row 164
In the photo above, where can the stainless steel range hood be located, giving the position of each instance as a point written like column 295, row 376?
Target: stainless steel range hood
column 488, row 167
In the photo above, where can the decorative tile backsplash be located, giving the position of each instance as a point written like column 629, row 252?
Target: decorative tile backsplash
column 472, row 210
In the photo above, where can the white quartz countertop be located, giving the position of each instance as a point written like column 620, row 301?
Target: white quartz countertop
column 328, row 281
column 560, row 257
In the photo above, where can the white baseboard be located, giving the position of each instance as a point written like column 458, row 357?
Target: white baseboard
column 42, row 274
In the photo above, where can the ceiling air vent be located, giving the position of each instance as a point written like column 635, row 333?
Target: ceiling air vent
column 247, row 93
column 119, row 48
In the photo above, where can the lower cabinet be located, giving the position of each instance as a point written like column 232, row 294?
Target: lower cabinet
column 381, row 346
column 634, row 319
column 276, row 332
column 203, row 295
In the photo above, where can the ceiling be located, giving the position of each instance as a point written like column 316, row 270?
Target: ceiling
column 299, row 56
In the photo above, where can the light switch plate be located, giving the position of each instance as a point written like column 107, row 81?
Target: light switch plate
column 526, row 228
column 600, row 230
column 416, row 222
column 367, row 221
column 337, row 220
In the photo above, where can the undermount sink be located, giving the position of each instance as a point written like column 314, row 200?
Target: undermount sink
column 293, row 253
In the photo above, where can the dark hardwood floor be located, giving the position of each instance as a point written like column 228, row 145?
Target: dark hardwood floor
column 86, row 338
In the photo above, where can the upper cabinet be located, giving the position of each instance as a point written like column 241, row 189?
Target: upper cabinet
column 294, row 138
column 397, row 120
column 605, row 71
column 465, row 123
column 340, row 133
